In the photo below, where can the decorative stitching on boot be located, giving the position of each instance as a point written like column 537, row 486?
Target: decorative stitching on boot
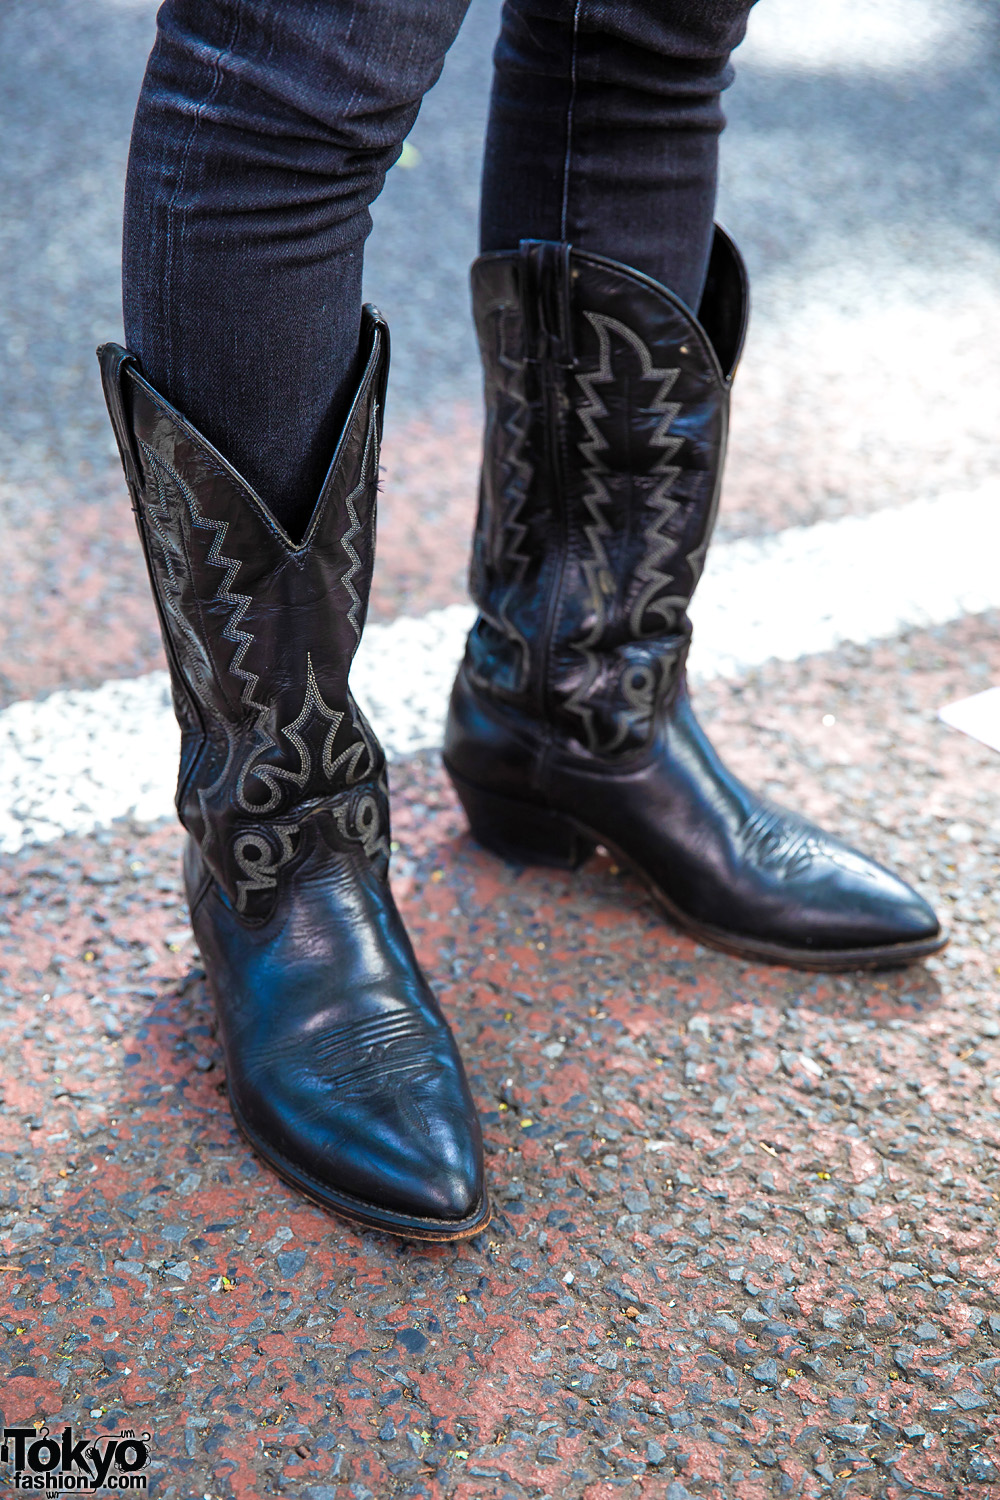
column 159, row 516
column 262, row 873
column 361, row 821
column 773, row 840
column 365, row 743
column 238, row 603
column 254, row 855
column 635, row 682
column 501, row 541
column 385, row 1046
column 369, row 465
column 512, row 529
column 271, row 775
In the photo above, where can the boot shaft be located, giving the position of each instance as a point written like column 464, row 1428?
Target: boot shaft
column 607, row 409
column 260, row 632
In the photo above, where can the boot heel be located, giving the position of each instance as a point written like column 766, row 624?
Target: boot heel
column 520, row 831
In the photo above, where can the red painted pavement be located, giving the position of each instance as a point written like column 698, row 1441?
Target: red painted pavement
column 745, row 1241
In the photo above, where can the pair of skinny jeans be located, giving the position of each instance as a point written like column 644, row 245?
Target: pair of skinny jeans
column 264, row 131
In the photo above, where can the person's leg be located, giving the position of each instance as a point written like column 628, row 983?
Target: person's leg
column 263, row 132
column 603, row 130
column 610, row 317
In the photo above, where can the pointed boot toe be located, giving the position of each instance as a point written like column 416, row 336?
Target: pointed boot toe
column 342, row 1071
column 911, row 919
column 855, row 910
column 391, row 1144
column 607, row 404
column 341, row 1068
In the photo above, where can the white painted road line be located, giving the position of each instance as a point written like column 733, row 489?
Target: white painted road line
column 78, row 759
column 862, row 578
column 978, row 716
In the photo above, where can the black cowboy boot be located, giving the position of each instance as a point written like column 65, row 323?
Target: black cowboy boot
column 570, row 725
column 341, row 1069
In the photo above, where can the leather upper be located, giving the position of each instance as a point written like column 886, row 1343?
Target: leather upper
column 341, row 1068
column 721, row 855
column 607, row 407
column 352, row 1082
column 260, row 634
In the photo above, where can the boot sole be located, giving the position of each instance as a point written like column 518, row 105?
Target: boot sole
column 526, row 834
column 356, row 1212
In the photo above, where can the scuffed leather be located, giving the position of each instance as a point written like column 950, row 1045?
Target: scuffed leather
column 607, row 407
column 340, row 1065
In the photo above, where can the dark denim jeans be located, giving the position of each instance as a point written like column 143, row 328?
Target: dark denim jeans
column 264, row 131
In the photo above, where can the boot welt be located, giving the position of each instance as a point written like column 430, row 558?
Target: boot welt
column 574, row 841
column 365, row 1215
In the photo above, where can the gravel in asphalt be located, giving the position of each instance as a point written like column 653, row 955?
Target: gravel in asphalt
column 77, row 759
column 746, row 1224
column 746, row 1238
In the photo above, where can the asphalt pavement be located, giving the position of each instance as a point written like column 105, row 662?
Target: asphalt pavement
column 746, row 1232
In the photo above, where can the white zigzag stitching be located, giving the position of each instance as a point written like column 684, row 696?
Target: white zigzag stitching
column 262, row 872
column 242, row 639
column 158, row 512
column 515, row 426
column 596, row 567
column 271, row 775
column 371, row 446
column 515, row 530
column 596, row 495
column 239, row 603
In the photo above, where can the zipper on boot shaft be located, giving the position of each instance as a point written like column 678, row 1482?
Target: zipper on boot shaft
column 545, row 293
